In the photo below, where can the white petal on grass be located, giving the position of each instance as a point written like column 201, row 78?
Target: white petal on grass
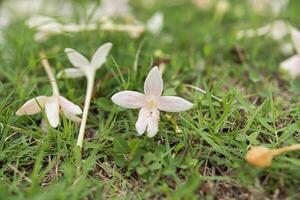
column 99, row 57
column 72, row 117
column 292, row 65
column 52, row 112
column 173, row 104
column 32, row 106
column 296, row 39
column 141, row 123
column 152, row 127
column 69, row 107
column 129, row 99
column 71, row 73
column 155, row 23
column 76, row 58
column 153, row 83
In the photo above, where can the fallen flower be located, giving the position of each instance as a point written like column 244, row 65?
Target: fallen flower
column 276, row 30
column 48, row 26
column 292, row 64
column 150, row 103
column 85, row 68
column 53, row 105
column 260, row 156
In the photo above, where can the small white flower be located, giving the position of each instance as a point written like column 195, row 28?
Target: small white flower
column 53, row 105
column 150, row 103
column 155, row 23
column 292, row 64
column 83, row 67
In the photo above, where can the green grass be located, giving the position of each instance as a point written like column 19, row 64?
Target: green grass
column 196, row 154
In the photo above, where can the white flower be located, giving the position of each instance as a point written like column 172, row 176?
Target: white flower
column 150, row 103
column 292, row 65
column 83, row 67
column 53, row 105
column 155, row 23
column 276, row 30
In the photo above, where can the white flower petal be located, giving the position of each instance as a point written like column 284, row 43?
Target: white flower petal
column 153, row 83
column 52, row 112
column 68, row 106
column 71, row 73
column 77, row 59
column 141, row 123
column 296, row 39
column 173, row 104
column 152, row 127
column 32, row 106
column 292, row 65
column 72, row 117
column 155, row 23
column 129, row 99
column 99, row 58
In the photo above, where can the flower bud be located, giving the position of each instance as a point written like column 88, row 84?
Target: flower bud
column 259, row 156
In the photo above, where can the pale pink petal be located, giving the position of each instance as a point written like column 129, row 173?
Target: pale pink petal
column 99, row 57
column 153, row 83
column 173, row 104
column 296, row 39
column 292, row 65
column 141, row 123
column 70, row 73
column 129, row 99
column 32, row 106
column 52, row 112
column 76, row 58
column 153, row 120
column 68, row 106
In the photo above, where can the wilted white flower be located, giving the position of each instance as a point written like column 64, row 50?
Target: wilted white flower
column 276, row 30
column 53, row 105
column 48, row 26
column 292, row 65
column 155, row 23
column 82, row 67
column 150, row 103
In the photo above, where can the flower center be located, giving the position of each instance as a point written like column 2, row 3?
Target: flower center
column 152, row 103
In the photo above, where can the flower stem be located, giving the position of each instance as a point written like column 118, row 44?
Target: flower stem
column 138, row 29
column 285, row 149
column 87, row 102
column 51, row 77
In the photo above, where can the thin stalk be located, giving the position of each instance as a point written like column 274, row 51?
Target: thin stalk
column 285, row 149
column 48, row 70
column 87, row 102
column 138, row 29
